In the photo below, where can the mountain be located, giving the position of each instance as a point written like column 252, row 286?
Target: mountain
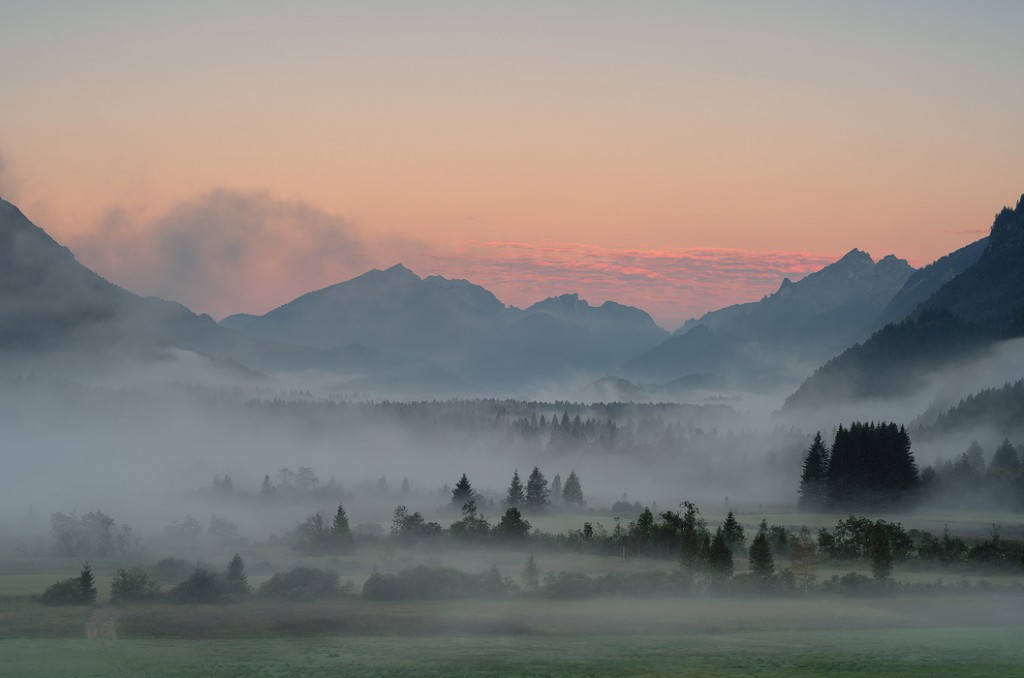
column 780, row 338
column 926, row 281
column 964, row 319
column 57, row 315
column 461, row 326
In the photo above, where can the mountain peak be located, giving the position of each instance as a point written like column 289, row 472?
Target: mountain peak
column 856, row 257
column 1008, row 228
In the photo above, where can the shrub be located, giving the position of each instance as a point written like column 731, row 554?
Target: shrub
column 303, row 583
column 65, row 592
column 133, row 584
column 435, row 583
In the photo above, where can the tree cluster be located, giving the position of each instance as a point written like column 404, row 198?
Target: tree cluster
column 868, row 465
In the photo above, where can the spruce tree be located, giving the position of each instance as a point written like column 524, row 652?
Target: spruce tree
column 340, row 530
column 236, row 571
column 556, row 489
column 462, row 493
column 516, row 496
column 880, row 552
column 762, row 562
column 720, row 565
column 537, row 491
column 572, row 493
column 814, row 479
column 87, row 585
column 732, row 532
column 531, row 575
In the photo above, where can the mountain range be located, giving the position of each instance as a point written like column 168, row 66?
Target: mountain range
column 978, row 307
column 871, row 328
column 780, row 339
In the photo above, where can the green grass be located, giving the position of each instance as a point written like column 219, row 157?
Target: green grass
column 935, row 652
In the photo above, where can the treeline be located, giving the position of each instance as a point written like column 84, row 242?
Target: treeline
column 868, row 465
column 970, row 482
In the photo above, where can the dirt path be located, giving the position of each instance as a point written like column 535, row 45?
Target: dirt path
column 102, row 624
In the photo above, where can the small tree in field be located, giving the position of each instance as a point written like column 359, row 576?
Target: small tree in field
column 762, row 562
column 804, row 560
column 880, row 552
column 516, row 496
column 720, row 565
column 87, row 584
column 572, row 492
column 236, row 577
column 531, row 574
column 340, row 530
column 462, row 493
column 537, row 491
column 732, row 532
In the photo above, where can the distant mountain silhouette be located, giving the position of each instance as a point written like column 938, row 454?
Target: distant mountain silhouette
column 56, row 314
column 780, row 338
column 962, row 319
column 461, row 326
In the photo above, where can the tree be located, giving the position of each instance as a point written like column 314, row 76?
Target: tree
column 720, row 565
column 405, row 487
column 512, row 525
column 531, row 574
column 340, row 530
column 572, row 493
column 732, row 532
column 880, row 552
column 267, row 488
column 694, row 539
column 814, row 479
column 516, row 496
column 462, row 493
column 236, row 572
column 133, row 584
column 87, row 584
column 762, row 562
column 536, row 491
column 803, row 561
column 556, row 489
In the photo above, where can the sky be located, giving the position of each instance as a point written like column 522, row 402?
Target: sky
column 671, row 155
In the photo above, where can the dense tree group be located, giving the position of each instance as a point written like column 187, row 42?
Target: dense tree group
column 869, row 465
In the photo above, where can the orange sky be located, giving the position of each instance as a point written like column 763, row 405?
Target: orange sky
column 408, row 131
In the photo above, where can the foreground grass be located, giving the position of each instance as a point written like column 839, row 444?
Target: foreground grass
column 909, row 652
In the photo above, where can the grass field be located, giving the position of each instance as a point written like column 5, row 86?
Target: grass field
column 931, row 652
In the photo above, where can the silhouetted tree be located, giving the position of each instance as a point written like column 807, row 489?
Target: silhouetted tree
column 462, row 493
column 732, row 532
column 531, row 574
column 572, row 493
column 762, row 562
column 814, row 479
column 880, row 552
column 536, row 491
column 512, row 525
column 516, row 496
column 720, row 565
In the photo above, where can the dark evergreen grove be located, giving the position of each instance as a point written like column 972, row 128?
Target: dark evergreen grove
column 869, row 465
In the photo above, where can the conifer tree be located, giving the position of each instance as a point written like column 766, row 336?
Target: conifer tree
column 462, row 493
column 236, row 571
column 572, row 493
column 720, row 564
column 814, row 479
column 556, row 489
column 732, row 532
column 340, row 530
column 516, row 496
column 531, row 575
column 537, row 491
column 762, row 562
column 87, row 585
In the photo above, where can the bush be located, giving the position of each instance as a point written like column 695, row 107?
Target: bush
column 66, row 592
column 303, row 583
column 202, row 586
column 133, row 584
column 80, row 590
column 435, row 583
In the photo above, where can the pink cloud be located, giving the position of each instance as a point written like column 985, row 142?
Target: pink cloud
column 671, row 284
